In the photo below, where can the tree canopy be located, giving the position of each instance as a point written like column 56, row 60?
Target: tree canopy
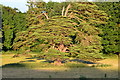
column 75, row 32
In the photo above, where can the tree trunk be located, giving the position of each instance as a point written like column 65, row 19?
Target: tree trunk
column 61, row 46
column 67, row 9
column 63, row 11
column 53, row 46
column 70, row 15
column 64, row 50
column 57, row 62
column 16, row 55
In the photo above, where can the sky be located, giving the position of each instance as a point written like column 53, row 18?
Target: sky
column 21, row 4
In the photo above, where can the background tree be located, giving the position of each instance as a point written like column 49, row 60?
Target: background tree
column 7, row 18
column 110, row 36
column 1, row 28
column 13, row 22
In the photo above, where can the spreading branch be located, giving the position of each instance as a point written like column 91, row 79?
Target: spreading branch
column 70, row 15
column 46, row 15
column 66, row 12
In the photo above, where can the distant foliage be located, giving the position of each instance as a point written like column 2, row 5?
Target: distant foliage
column 1, row 28
column 110, row 36
column 13, row 22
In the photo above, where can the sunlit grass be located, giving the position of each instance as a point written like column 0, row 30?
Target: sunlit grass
column 7, row 59
column 34, row 63
column 27, row 63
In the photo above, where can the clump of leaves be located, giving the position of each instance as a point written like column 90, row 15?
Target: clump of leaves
column 55, row 55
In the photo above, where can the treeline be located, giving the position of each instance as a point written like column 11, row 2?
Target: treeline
column 13, row 21
column 111, row 31
column 81, row 30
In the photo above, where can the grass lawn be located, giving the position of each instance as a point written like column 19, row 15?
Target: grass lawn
column 34, row 68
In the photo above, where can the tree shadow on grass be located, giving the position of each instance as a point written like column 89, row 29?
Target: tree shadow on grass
column 63, row 61
column 15, row 70
column 28, row 61
column 29, row 58
column 19, row 64
column 73, row 60
column 13, row 65
column 83, row 61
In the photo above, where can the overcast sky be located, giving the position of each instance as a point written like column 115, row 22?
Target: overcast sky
column 20, row 4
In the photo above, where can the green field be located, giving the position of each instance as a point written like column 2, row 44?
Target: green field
column 34, row 67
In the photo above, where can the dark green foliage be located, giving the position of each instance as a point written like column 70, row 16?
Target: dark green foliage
column 1, row 28
column 13, row 22
column 20, row 22
column 7, row 20
column 110, row 36
column 1, row 40
column 87, row 41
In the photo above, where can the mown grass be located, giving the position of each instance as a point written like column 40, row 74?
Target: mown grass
column 8, row 61
column 43, row 65
column 27, row 62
